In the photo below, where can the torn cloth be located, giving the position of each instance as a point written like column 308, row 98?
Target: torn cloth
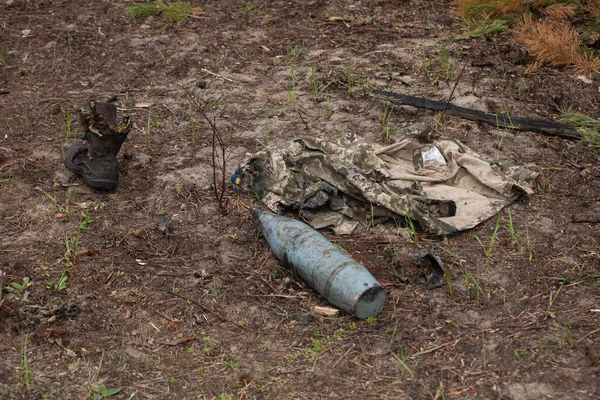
column 342, row 184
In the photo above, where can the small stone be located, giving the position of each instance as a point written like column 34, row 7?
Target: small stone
column 62, row 178
column 584, row 79
column 326, row 311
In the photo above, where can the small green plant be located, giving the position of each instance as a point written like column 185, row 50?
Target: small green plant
column 85, row 219
column 441, row 66
column 61, row 284
column 149, row 127
column 522, row 85
column 476, row 27
column 511, row 228
column 384, row 120
column 566, row 337
column 25, row 370
column 172, row 11
column 291, row 94
column 194, row 126
column 505, row 111
column 70, row 246
column 99, row 391
column 529, row 244
column 268, row 110
column 19, row 288
column 412, row 230
column 448, row 280
column 554, row 295
column 467, row 282
column 267, row 136
column 317, row 345
column 577, row 272
column 3, row 62
column 588, row 127
column 319, row 92
column 479, row 291
column 17, row 126
column 591, row 137
column 401, row 360
column 172, row 382
column 339, row 334
column 54, row 198
column 293, row 51
column 354, row 77
column 371, row 319
column 5, row 178
column 248, row 9
column 578, row 119
column 206, row 338
column 490, row 246
column 65, row 123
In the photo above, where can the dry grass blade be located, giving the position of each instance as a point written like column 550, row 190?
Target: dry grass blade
column 555, row 42
column 593, row 7
column 552, row 42
column 586, row 62
column 559, row 11
column 533, row 68
column 488, row 8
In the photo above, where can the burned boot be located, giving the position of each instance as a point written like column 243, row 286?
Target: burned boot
column 95, row 161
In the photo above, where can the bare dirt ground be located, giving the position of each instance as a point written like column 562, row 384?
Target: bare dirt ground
column 205, row 310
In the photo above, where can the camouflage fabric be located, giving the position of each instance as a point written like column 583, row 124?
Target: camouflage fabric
column 351, row 183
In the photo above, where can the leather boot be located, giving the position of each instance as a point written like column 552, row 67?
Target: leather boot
column 95, row 161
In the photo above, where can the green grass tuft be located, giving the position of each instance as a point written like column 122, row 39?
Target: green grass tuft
column 578, row 119
column 590, row 136
column 588, row 127
column 475, row 27
column 174, row 12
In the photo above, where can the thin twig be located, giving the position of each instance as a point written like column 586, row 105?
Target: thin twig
column 464, row 67
column 343, row 356
column 209, row 311
column 217, row 75
column 217, row 140
column 302, row 119
column 588, row 334
column 589, row 220
column 431, row 350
